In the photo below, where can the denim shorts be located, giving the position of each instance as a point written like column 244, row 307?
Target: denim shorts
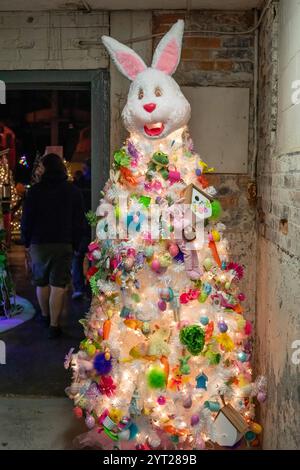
column 51, row 264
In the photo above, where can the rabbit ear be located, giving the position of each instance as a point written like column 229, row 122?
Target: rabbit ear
column 167, row 54
column 127, row 61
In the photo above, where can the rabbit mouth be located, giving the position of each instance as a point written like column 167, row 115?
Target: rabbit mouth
column 155, row 129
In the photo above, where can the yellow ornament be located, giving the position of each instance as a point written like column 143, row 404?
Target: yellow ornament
column 91, row 349
column 256, row 428
column 216, row 235
column 115, row 414
column 241, row 323
column 225, row 341
column 109, row 313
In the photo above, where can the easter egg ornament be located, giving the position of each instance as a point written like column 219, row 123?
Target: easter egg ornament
column 165, row 333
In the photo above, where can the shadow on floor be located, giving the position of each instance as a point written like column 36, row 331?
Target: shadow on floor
column 35, row 364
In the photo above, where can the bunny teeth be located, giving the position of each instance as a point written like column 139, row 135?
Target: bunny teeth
column 154, row 129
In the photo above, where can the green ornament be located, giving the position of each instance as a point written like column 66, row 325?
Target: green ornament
column 160, row 158
column 145, row 201
column 136, row 298
column 193, row 337
column 149, row 251
column 184, row 366
column 213, row 357
column 207, row 263
column 121, row 158
column 202, row 297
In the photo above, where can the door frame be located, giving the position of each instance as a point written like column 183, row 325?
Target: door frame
column 98, row 82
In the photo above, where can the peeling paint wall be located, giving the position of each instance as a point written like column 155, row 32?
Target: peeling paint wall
column 278, row 246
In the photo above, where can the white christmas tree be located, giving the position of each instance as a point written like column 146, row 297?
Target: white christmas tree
column 165, row 362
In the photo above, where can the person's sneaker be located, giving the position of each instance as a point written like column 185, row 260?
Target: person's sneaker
column 54, row 332
column 77, row 295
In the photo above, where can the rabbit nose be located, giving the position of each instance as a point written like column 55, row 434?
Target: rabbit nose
column 149, row 107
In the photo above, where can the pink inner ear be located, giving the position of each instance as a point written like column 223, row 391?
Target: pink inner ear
column 130, row 64
column 168, row 59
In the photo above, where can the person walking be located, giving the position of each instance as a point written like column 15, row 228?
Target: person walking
column 53, row 223
column 82, row 179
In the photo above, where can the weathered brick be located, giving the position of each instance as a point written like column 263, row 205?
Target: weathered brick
column 204, row 42
column 194, row 54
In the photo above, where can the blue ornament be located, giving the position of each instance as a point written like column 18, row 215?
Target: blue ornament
column 201, row 380
column 207, row 288
column 242, row 356
column 133, row 429
column 204, row 321
column 198, row 172
column 223, row 265
column 125, row 312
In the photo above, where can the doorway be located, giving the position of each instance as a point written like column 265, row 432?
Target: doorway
column 62, row 110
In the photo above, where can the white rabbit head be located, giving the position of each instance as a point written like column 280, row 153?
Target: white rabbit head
column 155, row 106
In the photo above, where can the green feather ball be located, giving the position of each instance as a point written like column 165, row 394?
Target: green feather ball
column 156, row 378
column 216, row 209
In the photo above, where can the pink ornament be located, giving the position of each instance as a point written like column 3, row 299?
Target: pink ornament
column 113, row 263
column 184, row 298
column 155, row 265
column 174, row 176
column 248, row 328
column 157, row 186
column 241, row 297
column 93, row 246
column 173, row 250
column 200, row 443
column 161, row 400
column 131, row 252
column 162, row 305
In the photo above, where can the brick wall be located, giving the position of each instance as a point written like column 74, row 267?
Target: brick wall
column 223, row 61
column 49, row 40
column 278, row 245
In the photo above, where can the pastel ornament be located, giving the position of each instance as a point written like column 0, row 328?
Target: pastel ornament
column 155, row 266
column 173, row 250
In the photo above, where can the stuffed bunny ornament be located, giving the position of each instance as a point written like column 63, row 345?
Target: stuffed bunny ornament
column 156, row 106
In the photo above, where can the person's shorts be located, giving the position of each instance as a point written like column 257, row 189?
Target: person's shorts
column 51, row 264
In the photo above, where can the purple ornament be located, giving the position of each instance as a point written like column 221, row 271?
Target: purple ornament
column 132, row 150
column 90, row 421
column 222, row 326
column 162, row 305
column 194, row 420
column 261, row 396
column 102, row 365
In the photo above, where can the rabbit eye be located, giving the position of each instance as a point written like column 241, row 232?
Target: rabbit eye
column 141, row 94
column 158, row 91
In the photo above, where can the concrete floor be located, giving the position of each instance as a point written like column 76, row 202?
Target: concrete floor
column 34, row 413
column 37, row 424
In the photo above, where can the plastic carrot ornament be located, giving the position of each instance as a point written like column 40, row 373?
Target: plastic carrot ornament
column 214, row 251
column 165, row 363
column 106, row 329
